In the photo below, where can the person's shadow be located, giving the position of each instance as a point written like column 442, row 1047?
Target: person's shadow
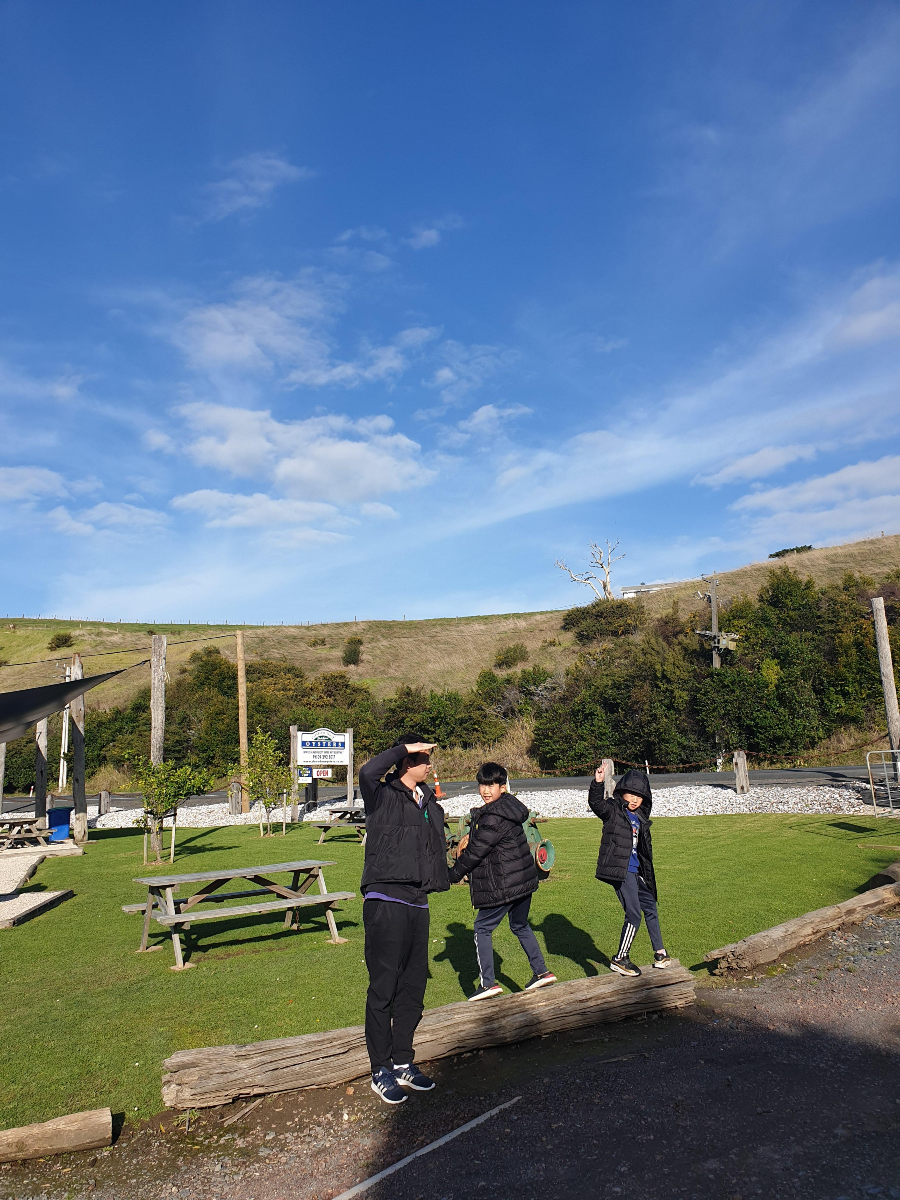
column 459, row 951
column 566, row 940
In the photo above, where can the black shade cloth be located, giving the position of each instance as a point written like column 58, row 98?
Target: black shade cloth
column 18, row 710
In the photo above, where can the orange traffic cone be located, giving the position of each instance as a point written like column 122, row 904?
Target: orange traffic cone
column 439, row 793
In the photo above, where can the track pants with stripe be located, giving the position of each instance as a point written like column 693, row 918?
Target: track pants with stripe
column 487, row 920
column 636, row 898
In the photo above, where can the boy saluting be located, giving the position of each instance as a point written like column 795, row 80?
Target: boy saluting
column 625, row 861
column 406, row 859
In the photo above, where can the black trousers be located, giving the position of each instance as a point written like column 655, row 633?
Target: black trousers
column 636, row 898
column 487, row 920
column 397, row 962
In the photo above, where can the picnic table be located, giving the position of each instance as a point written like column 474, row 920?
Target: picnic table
column 343, row 816
column 22, row 831
column 171, row 911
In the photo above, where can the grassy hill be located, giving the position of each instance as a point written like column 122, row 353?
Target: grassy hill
column 440, row 654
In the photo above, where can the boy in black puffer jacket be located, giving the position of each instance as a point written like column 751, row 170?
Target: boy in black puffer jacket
column 502, row 878
column 626, row 860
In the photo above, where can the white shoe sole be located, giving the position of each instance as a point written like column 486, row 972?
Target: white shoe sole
column 415, row 1087
column 621, row 971
column 663, row 965
column 381, row 1096
column 533, row 987
column 486, row 995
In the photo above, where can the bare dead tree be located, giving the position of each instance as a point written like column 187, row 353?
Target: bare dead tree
column 598, row 559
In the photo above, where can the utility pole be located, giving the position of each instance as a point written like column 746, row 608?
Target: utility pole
column 79, row 823
column 242, row 717
column 157, row 697
column 715, row 638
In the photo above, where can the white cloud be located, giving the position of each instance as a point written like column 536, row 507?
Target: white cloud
column 464, row 369
column 284, row 329
column 229, row 510
column 859, row 480
column 30, row 483
column 759, row 464
column 487, row 420
column 14, row 385
column 381, row 512
column 155, row 439
column 249, row 184
column 107, row 518
column 330, row 458
column 873, row 314
column 429, row 234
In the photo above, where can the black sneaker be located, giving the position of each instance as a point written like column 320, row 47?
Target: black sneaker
column 541, row 980
column 482, row 993
column 661, row 960
column 386, row 1086
column 624, row 966
column 410, row 1076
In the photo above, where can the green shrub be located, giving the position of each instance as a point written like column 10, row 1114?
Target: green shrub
column 511, row 656
column 60, row 640
column 603, row 618
column 352, row 648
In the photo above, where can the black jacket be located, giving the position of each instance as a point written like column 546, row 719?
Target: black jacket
column 406, row 851
column 615, row 845
column 497, row 859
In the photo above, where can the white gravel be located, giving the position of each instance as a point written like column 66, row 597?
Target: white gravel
column 687, row 801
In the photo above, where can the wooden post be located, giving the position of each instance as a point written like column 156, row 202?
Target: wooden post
column 157, row 697
column 242, row 717
column 40, row 770
column 609, row 778
column 2, row 773
column 350, row 767
column 295, row 783
column 741, row 774
column 103, row 804
column 888, row 682
column 234, row 798
column 79, row 796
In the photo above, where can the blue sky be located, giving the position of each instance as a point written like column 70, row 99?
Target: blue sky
column 319, row 310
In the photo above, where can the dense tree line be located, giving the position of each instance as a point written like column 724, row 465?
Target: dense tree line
column 805, row 666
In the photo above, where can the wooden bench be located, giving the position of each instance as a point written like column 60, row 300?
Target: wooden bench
column 173, row 912
column 344, row 816
column 21, row 832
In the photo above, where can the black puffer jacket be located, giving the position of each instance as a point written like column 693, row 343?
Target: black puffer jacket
column 405, row 844
column 615, row 845
column 497, row 859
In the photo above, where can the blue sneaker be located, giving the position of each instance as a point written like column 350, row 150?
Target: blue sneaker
column 410, row 1076
column 385, row 1085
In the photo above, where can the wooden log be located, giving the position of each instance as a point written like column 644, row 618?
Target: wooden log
column 40, row 771
column 769, row 945
column 218, row 1074
column 243, row 745
column 886, row 667
column 609, row 777
column 741, row 774
column 103, row 804
column 78, row 1131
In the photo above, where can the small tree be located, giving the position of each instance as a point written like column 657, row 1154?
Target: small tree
column 60, row 640
column 601, row 560
column 511, row 656
column 267, row 776
column 164, row 786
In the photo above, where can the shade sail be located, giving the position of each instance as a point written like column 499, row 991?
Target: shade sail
column 18, row 710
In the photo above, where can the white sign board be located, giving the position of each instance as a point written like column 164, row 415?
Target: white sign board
column 324, row 748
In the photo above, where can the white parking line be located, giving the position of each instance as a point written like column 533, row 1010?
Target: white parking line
column 448, row 1137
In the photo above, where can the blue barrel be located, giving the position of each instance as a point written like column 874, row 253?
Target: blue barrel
column 58, row 823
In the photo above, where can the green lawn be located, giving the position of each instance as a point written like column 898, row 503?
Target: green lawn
column 87, row 1022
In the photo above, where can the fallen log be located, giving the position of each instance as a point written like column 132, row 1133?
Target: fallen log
column 77, row 1131
column 768, row 946
column 219, row 1074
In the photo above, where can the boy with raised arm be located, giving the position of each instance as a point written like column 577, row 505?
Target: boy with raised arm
column 625, row 861
column 405, row 860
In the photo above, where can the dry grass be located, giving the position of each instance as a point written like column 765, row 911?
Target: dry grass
column 511, row 751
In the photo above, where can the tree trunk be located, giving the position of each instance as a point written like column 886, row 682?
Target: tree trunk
column 156, row 837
